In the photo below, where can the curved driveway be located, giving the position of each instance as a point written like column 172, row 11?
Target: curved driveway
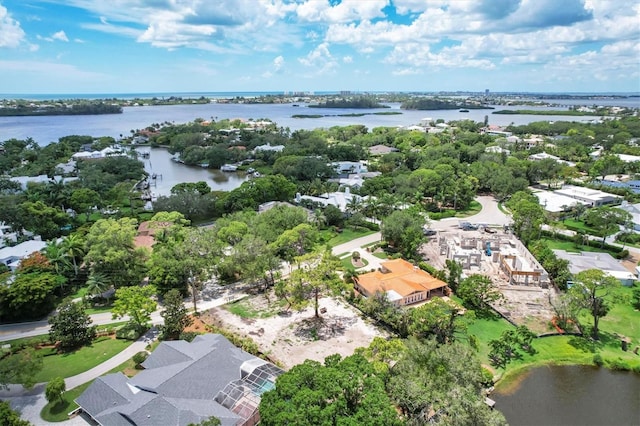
column 490, row 215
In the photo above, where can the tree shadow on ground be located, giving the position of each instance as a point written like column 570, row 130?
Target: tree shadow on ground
column 587, row 344
column 59, row 407
column 323, row 328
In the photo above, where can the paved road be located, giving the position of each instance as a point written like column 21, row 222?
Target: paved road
column 37, row 328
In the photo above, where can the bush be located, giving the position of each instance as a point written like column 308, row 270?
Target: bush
column 623, row 254
column 619, row 364
column 371, row 226
column 188, row 335
column 129, row 331
column 487, row 377
column 355, row 255
column 442, row 215
column 139, row 358
column 597, row 360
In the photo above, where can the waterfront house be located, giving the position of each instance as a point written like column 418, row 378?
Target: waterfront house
column 184, row 383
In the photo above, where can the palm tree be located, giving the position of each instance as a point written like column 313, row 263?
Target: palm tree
column 54, row 251
column 98, row 284
column 373, row 207
column 319, row 218
column 354, row 205
column 74, row 247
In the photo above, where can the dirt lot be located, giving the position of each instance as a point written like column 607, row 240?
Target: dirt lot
column 292, row 337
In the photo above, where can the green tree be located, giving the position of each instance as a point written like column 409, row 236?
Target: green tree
column 606, row 220
column 71, row 326
column 21, row 368
column 343, row 392
column 31, row 295
column 175, row 316
column 73, row 245
column 136, row 302
column 42, row 219
column 9, row 417
column 112, row 252
column 200, row 187
column 383, row 353
column 509, row 345
column 295, row 242
column 454, row 274
column 429, row 377
column 97, row 284
column 403, row 230
column 591, row 291
column 527, row 214
column 83, row 199
column 211, row 421
column 315, row 274
column 437, row 318
column 478, row 291
column 54, row 390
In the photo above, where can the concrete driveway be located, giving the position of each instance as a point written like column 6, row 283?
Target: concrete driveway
column 490, row 215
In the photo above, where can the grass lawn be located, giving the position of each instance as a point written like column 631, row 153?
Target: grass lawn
column 27, row 341
column 98, row 309
column 244, row 309
column 581, row 226
column 474, row 208
column 346, row 262
column 570, row 246
column 80, row 293
column 58, row 412
column 381, row 255
column 622, row 319
column 83, row 359
column 487, row 329
column 346, row 235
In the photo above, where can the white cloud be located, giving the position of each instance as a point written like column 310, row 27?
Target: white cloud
column 278, row 63
column 345, row 11
column 60, row 36
column 11, row 34
column 483, row 34
column 320, row 60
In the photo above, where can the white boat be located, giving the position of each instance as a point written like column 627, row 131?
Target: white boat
column 228, row 168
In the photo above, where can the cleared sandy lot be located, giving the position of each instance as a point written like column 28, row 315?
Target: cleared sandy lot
column 292, row 337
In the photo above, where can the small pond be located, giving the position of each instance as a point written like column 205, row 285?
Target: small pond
column 572, row 395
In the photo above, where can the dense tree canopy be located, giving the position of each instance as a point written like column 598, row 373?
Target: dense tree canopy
column 111, row 251
column 440, row 385
column 341, row 392
column 403, row 229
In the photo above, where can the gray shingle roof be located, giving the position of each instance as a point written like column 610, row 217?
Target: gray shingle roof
column 177, row 387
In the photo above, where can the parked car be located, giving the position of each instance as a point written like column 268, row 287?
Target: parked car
column 429, row 232
column 467, row 226
column 489, row 230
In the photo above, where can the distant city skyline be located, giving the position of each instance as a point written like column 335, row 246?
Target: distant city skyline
column 144, row 46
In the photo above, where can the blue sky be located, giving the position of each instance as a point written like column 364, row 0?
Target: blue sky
column 124, row 46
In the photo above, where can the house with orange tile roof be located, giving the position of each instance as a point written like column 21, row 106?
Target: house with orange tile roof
column 402, row 282
column 146, row 232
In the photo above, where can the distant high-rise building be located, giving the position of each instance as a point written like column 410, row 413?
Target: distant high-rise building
column 486, row 92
